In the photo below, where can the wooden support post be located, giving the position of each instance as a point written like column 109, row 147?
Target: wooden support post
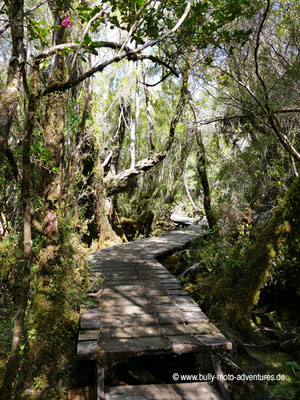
column 221, row 381
column 100, row 382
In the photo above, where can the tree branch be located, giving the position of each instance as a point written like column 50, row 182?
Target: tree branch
column 239, row 116
column 14, row 165
column 270, row 115
column 131, row 55
column 119, row 183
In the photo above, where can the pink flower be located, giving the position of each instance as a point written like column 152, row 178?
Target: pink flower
column 66, row 21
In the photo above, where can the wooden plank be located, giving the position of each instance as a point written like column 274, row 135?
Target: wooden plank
column 174, row 329
column 125, row 288
column 129, row 320
column 121, row 276
column 124, row 291
column 194, row 316
column 159, row 291
column 170, row 285
column 120, row 282
column 109, row 333
column 203, row 328
column 184, row 340
column 90, row 324
column 168, row 318
column 179, row 391
column 184, row 300
column 92, row 335
column 125, row 309
column 162, row 300
column 90, row 314
column 116, row 301
column 165, row 308
column 188, row 307
column 85, row 350
column 122, row 345
column 177, row 292
column 215, row 342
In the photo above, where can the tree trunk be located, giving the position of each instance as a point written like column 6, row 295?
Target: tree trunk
column 202, row 171
column 55, row 122
column 11, row 95
column 134, row 122
column 238, row 291
column 13, row 363
column 106, row 234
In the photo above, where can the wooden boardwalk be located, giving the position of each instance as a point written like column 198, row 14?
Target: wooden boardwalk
column 142, row 309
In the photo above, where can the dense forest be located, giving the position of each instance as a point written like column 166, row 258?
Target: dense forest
column 116, row 115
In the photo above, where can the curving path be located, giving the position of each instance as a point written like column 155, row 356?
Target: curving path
column 142, row 310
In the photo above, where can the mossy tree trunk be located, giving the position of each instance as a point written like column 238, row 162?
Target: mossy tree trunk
column 16, row 68
column 202, row 169
column 106, row 234
column 13, row 362
column 238, row 291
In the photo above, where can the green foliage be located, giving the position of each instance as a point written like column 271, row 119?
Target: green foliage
column 39, row 31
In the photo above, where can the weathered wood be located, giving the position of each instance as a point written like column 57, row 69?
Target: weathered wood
column 90, row 324
column 203, row 327
column 85, row 350
column 108, row 333
column 92, row 335
column 93, row 313
column 181, row 220
column 179, row 391
column 178, row 292
column 100, row 382
column 132, row 320
column 221, row 379
column 194, row 316
column 215, row 342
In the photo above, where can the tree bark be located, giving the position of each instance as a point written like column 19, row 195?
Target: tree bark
column 202, row 171
column 134, row 121
column 55, row 121
column 11, row 95
column 13, row 363
column 239, row 289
